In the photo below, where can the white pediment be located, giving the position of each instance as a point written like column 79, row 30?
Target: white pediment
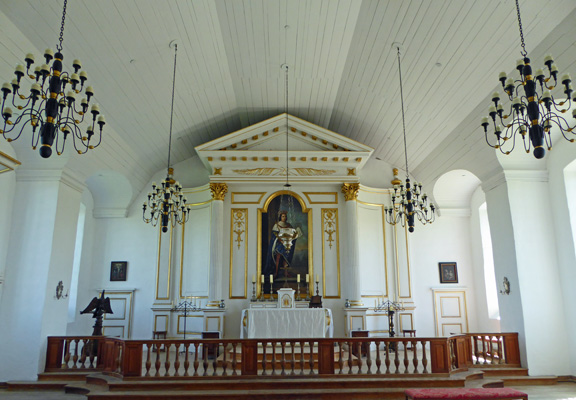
column 260, row 152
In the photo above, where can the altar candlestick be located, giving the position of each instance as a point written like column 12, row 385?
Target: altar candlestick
column 317, row 279
column 298, row 278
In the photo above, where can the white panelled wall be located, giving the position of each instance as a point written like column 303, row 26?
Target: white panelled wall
column 532, row 243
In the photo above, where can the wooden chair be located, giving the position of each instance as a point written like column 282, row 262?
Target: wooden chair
column 409, row 333
column 158, row 335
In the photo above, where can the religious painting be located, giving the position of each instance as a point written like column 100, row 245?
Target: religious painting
column 284, row 243
column 448, row 272
column 118, row 270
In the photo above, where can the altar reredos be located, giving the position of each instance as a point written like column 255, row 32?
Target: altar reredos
column 258, row 153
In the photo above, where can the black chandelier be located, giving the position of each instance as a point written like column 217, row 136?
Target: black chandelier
column 408, row 202
column 534, row 110
column 52, row 114
column 166, row 203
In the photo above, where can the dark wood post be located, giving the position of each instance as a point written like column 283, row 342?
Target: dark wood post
column 326, row 357
column 461, row 352
column 132, row 359
column 250, row 358
column 440, row 355
column 512, row 349
column 54, row 351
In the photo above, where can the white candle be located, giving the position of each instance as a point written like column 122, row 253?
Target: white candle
column 262, row 278
column 317, row 279
column 271, row 278
column 307, row 278
column 253, row 278
column 298, row 278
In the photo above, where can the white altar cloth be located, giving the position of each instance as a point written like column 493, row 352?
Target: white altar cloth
column 268, row 323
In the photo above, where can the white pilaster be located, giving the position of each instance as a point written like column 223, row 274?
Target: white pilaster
column 353, row 260
column 216, row 243
column 523, row 238
column 40, row 254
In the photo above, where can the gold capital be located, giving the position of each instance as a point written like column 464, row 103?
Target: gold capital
column 218, row 190
column 395, row 181
column 350, row 190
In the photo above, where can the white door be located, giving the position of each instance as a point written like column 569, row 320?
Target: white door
column 450, row 311
column 118, row 324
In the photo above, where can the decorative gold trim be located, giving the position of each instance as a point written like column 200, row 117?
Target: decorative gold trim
column 350, row 191
column 156, row 321
column 9, row 158
column 330, row 226
column 234, row 201
column 308, row 194
column 396, row 180
column 112, row 326
column 218, row 190
column 238, row 234
column 351, row 171
column 179, row 332
column 437, row 308
column 159, row 261
column 400, row 325
column 206, row 323
column 384, row 245
column 217, row 171
column 130, row 294
column 115, row 316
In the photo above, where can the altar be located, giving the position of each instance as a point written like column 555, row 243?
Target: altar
column 286, row 323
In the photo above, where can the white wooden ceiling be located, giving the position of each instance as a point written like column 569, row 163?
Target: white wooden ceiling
column 343, row 70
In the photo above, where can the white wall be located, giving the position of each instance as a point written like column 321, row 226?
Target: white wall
column 446, row 240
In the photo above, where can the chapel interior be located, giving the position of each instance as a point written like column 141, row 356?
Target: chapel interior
column 288, row 126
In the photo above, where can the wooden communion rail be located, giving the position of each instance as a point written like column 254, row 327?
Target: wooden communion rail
column 180, row 359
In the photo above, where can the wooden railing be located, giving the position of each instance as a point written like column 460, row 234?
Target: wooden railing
column 154, row 359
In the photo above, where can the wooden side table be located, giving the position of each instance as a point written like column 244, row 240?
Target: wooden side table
column 211, row 349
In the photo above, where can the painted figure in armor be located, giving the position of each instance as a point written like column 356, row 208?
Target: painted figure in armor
column 282, row 245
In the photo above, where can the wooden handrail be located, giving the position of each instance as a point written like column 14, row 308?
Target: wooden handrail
column 164, row 358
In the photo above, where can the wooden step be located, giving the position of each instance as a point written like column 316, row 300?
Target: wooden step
column 491, row 372
column 36, row 385
column 66, row 376
column 285, row 383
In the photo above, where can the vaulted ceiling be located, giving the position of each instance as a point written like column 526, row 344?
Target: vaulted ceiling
column 343, row 72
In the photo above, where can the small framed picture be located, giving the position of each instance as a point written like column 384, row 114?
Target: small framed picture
column 448, row 272
column 118, row 270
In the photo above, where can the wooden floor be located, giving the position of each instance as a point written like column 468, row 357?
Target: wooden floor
column 100, row 386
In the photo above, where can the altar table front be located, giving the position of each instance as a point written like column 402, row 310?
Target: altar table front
column 286, row 323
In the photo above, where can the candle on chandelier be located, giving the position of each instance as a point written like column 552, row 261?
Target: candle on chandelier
column 271, row 278
column 298, row 278
column 253, row 278
column 317, row 279
column 262, row 278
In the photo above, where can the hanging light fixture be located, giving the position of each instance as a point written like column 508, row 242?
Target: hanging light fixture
column 52, row 114
column 166, row 203
column 534, row 110
column 285, row 68
column 408, row 202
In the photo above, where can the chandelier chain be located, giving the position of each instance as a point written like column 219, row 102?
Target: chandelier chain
column 287, row 129
column 523, row 52
column 403, row 122
column 172, row 106
column 59, row 46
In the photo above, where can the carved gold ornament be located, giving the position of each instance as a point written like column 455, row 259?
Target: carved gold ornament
column 329, row 216
column 239, row 224
column 282, row 171
column 350, row 191
column 218, row 190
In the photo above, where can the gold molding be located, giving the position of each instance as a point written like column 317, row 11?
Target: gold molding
column 156, row 321
column 159, row 261
column 7, row 168
column 400, row 321
column 350, row 191
column 112, row 326
column 238, row 233
column 218, row 190
column 330, row 226
column 308, row 194
column 234, row 201
column 384, row 246
column 179, row 332
column 114, row 317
